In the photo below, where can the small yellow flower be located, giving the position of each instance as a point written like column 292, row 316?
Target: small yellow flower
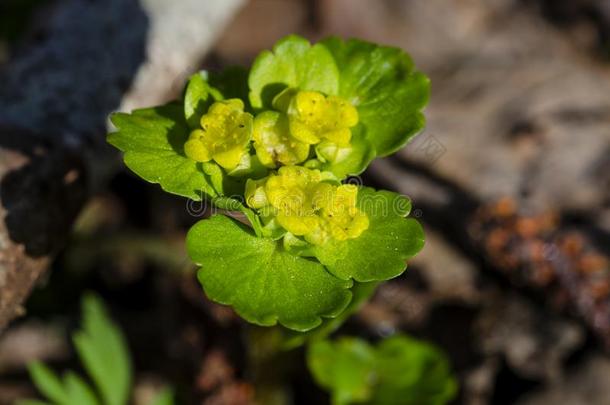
column 224, row 135
column 305, row 205
column 342, row 219
column 290, row 193
column 314, row 117
column 273, row 142
column 255, row 193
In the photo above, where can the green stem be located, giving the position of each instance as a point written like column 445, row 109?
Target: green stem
column 272, row 351
column 270, row 365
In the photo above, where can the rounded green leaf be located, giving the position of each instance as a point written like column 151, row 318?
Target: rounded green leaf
column 153, row 142
column 412, row 372
column 264, row 284
column 398, row 371
column 383, row 85
column 361, row 292
column 380, row 252
column 345, row 367
column 294, row 63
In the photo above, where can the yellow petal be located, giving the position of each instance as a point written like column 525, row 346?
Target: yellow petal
column 225, row 134
column 348, row 115
column 273, row 143
column 339, row 136
column 323, row 196
column 318, row 236
column 314, row 117
column 230, row 159
column 359, row 224
column 346, row 196
column 297, row 225
column 331, row 152
column 244, row 166
column 255, row 193
column 195, row 149
column 303, row 132
column 307, row 205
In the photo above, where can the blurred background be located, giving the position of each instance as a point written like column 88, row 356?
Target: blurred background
column 511, row 180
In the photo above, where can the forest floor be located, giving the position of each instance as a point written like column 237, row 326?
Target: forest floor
column 511, row 180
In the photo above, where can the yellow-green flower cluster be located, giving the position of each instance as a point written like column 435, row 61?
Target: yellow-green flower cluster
column 281, row 137
column 306, row 204
column 224, row 136
column 304, row 118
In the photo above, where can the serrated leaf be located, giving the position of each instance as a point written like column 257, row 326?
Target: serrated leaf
column 104, row 353
column 294, row 63
column 198, row 97
column 153, row 140
column 47, row 382
column 380, row 252
column 399, row 371
column 263, row 283
column 383, row 85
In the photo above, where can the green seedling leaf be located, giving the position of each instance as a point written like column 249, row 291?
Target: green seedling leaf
column 383, row 85
column 380, row 252
column 153, row 141
column 346, row 368
column 103, row 350
column 293, row 63
column 48, row 383
column 78, row 391
column 399, row 371
column 31, row 402
column 263, row 283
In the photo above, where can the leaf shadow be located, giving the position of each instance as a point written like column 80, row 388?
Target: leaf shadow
column 270, row 91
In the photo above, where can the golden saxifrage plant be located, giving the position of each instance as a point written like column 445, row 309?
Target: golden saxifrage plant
column 276, row 143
